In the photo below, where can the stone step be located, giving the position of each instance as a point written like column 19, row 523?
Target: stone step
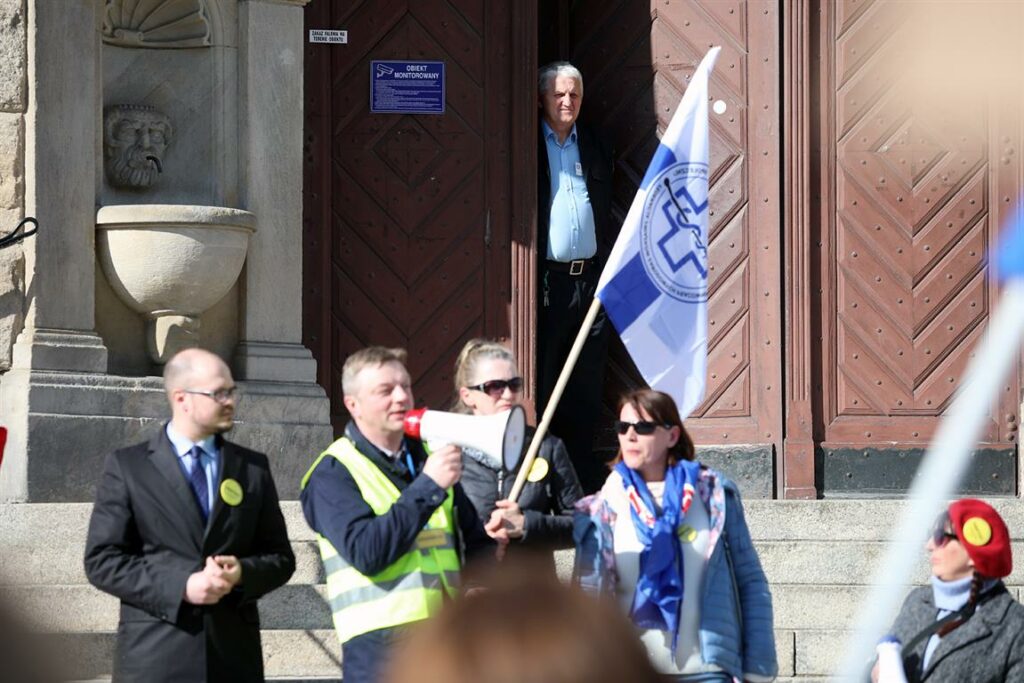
column 819, row 557
column 43, row 543
column 847, row 520
column 785, row 562
column 83, row 609
column 297, row 655
column 42, row 525
column 292, row 655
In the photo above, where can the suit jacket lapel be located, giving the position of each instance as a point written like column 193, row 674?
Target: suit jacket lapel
column 230, row 468
column 164, row 459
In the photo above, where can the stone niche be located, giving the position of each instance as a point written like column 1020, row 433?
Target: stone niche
column 170, row 132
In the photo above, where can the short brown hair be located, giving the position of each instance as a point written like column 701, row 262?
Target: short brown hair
column 662, row 410
column 371, row 356
column 524, row 627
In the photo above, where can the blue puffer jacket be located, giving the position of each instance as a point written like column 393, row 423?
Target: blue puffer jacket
column 736, row 631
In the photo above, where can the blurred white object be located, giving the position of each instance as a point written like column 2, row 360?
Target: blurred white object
column 890, row 661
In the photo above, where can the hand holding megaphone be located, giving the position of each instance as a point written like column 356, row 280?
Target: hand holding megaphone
column 444, row 466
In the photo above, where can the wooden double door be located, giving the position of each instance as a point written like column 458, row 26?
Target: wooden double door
column 850, row 221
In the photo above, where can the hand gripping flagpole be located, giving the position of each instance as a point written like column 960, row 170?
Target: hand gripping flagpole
column 556, row 396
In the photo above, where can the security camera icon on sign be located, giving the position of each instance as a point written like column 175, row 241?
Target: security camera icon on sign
column 384, row 70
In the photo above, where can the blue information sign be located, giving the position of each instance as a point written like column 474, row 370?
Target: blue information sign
column 406, row 87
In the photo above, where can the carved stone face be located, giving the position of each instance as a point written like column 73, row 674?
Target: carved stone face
column 135, row 139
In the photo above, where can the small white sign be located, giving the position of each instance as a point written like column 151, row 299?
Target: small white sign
column 320, row 35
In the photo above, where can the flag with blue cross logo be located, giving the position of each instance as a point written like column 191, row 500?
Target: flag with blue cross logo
column 654, row 287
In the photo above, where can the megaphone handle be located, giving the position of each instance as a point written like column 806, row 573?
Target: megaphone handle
column 556, row 396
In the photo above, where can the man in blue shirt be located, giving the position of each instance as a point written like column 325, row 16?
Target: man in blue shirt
column 576, row 232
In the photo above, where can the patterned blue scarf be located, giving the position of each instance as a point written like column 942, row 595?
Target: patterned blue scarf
column 659, row 588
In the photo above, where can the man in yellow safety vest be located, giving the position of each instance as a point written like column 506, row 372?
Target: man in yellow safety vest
column 391, row 523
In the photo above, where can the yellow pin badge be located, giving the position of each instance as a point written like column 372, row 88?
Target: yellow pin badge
column 977, row 531
column 687, row 534
column 538, row 470
column 231, row 492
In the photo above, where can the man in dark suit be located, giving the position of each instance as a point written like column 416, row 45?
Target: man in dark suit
column 576, row 232
column 188, row 533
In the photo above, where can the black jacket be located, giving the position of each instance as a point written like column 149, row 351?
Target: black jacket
column 596, row 159
column 146, row 536
column 547, row 504
column 335, row 509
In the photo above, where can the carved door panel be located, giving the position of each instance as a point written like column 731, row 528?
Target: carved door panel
column 916, row 182
column 407, row 218
column 636, row 59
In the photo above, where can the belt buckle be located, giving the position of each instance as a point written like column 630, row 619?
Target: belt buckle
column 576, row 267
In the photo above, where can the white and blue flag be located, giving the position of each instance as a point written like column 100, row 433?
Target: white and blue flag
column 654, row 287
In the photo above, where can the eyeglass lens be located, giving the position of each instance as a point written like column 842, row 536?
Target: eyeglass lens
column 643, row 427
column 940, row 536
column 496, row 387
column 223, row 395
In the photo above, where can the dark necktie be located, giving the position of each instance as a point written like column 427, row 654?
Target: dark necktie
column 198, row 481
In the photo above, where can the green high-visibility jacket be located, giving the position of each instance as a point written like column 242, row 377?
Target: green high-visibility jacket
column 408, row 590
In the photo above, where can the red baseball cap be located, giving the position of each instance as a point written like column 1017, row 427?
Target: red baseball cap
column 983, row 534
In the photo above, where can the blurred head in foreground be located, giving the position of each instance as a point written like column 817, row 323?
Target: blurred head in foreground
column 526, row 627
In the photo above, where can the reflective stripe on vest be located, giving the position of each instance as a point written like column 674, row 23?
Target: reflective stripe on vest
column 413, row 586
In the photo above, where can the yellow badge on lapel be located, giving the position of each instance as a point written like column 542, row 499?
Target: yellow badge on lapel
column 231, row 492
column 538, row 470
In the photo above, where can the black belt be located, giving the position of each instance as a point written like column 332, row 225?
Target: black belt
column 574, row 268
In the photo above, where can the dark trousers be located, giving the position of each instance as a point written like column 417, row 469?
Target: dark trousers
column 365, row 657
column 564, row 301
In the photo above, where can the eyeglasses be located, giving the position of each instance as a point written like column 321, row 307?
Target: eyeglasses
column 642, row 428
column 220, row 395
column 940, row 536
column 496, row 387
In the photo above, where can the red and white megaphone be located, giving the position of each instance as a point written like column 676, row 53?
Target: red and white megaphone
column 500, row 435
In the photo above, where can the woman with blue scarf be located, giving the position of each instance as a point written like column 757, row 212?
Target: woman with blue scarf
column 667, row 538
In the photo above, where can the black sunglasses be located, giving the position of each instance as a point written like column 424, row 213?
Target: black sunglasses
column 643, row 427
column 496, row 387
column 940, row 536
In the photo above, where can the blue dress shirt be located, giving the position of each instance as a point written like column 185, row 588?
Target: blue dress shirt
column 571, row 231
column 209, row 459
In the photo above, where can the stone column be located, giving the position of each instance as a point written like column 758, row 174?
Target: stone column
column 58, row 348
column 60, row 142
column 271, row 39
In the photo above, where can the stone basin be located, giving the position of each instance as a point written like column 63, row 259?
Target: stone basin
column 172, row 262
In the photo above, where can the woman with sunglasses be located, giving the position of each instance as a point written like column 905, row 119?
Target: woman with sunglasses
column 666, row 536
column 965, row 626
column 487, row 382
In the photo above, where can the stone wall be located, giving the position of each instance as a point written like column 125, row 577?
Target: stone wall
column 13, row 99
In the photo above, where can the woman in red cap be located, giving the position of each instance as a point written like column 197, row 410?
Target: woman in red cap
column 965, row 626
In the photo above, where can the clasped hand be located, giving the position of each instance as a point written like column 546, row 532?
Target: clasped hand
column 508, row 517
column 215, row 580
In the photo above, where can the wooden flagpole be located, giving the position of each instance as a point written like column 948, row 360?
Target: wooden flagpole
column 556, row 396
